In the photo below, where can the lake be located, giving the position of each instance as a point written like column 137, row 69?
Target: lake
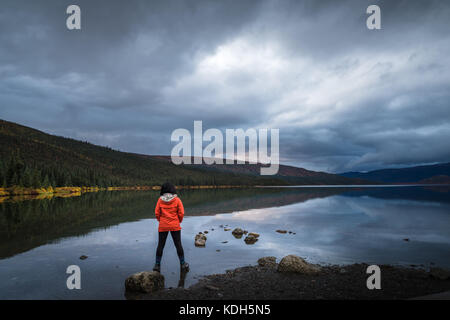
column 117, row 230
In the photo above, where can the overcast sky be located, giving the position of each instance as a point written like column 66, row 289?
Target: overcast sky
column 344, row 97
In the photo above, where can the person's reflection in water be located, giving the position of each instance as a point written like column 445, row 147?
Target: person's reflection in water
column 182, row 278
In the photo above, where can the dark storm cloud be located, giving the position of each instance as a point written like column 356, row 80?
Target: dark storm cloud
column 344, row 97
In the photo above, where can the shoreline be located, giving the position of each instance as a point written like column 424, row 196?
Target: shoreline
column 43, row 193
column 333, row 282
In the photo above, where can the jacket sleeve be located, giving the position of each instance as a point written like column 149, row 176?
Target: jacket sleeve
column 180, row 210
column 158, row 210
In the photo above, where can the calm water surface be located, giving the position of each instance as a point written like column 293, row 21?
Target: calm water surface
column 118, row 233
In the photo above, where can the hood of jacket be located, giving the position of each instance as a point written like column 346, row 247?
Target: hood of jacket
column 166, row 197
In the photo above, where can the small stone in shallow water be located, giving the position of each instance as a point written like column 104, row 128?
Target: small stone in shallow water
column 237, row 231
column 224, row 241
column 200, row 240
column 200, row 243
column 281, row 231
column 250, row 239
column 83, row 257
column 406, row 239
column 205, row 232
column 226, row 229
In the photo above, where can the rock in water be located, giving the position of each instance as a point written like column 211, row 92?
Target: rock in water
column 200, row 240
column 267, row 262
column 237, row 233
column 200, row 243
column 83, row 257
column 250, row 239
column 254, row 234
column 145, row 282
column 281, row 231
column 293, row 263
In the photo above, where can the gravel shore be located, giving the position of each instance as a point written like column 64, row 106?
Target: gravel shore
column 332, row 282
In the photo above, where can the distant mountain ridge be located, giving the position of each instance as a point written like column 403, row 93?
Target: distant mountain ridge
column 32, row 158
column 285, row 172
column 427, row 174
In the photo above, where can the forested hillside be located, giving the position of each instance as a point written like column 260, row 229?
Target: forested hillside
column 31, row 158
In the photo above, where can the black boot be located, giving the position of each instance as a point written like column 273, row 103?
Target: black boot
column 157, row 267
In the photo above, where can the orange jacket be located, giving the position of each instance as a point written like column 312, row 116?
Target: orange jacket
column 169, row 214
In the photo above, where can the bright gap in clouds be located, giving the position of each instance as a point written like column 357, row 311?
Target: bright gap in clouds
column 325, row 100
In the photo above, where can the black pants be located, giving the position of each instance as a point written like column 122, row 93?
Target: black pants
column 176, row 237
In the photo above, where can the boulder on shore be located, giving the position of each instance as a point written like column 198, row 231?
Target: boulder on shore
column 145, row 282
column 267, row 262
column 295, row 264
column 200, row 240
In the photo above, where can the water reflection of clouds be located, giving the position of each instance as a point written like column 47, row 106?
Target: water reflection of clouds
column 344, row 215
column 426, row 221
column 274, row 213
column 340, row 228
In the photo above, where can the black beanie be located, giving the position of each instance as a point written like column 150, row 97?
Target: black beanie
column 168, row 188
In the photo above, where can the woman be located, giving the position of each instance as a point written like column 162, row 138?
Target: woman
column 169, row 212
